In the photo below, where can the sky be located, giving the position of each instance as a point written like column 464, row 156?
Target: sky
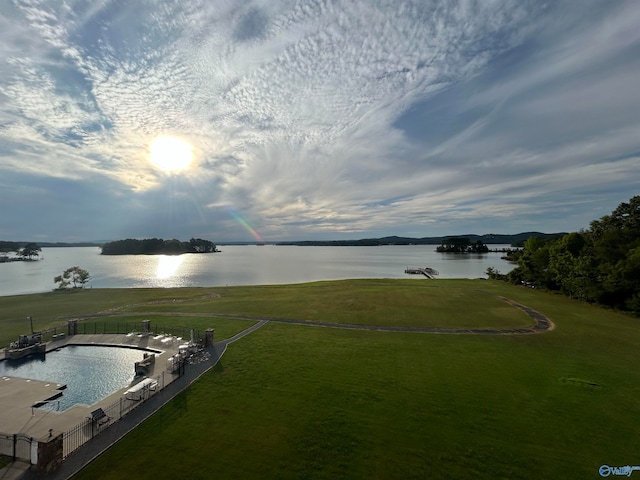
column 315, row 119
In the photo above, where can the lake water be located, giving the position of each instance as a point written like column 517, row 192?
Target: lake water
column 242, row 265
column 89, row 372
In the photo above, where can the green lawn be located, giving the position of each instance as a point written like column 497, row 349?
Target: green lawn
column 295, row 401
column 410, row 303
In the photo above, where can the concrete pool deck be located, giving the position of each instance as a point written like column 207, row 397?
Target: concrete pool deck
column 18, row 395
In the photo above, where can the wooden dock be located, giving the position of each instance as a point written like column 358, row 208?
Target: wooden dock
column 426, row 271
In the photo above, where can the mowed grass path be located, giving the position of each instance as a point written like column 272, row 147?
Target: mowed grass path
column 292, row 401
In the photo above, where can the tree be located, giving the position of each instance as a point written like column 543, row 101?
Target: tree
column 599, row 265
column 30, row 250
column 494, row 274
column 626, row 217
column 6, row 247
column 616, row 244
column 198, row 245
column 75, row 276
column 173, row 247
column 572, row 266
column 461, row 245
column 454, row 245
column 533, row 264
column 478, row 247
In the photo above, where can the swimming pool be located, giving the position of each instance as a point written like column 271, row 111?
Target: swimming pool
column 90, row 372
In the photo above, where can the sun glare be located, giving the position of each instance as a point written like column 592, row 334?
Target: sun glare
column 168, row 266
column 170, row 154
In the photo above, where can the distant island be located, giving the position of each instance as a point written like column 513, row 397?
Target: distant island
column 158, row 246
column 517, row 239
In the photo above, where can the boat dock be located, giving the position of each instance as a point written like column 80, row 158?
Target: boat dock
column 426, row 271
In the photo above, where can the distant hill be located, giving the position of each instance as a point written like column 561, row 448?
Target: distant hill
column 489, row 238
column 65, row 244
column 21, row 244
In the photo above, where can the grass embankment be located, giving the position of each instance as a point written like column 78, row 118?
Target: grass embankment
column 291, row 401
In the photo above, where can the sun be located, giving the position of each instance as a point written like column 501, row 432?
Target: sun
column 170, row 154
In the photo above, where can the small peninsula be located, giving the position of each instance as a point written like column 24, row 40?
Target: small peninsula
column 158, row 246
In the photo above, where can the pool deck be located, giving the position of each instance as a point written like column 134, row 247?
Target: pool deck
column 18, row 395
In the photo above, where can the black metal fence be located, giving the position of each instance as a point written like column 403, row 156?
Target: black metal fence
column 106, row 327
column 114, row 328
column 77, row 436
column 17, row 446
column 95, row 328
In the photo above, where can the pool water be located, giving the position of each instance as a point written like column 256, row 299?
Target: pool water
column 89, row 372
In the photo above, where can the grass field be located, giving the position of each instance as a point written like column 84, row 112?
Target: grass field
column 296, row 401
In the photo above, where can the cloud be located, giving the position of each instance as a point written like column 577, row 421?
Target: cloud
column 319, row 118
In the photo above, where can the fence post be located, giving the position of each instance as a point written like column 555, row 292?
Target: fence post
column 208, row 337
column 72, row 327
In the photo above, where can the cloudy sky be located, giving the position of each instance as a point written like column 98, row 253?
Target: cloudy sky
column 315, row 119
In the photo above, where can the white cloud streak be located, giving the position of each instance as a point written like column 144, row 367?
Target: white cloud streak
column 295, row 108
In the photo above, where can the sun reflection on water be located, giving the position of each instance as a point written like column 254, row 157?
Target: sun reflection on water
column 168, row 266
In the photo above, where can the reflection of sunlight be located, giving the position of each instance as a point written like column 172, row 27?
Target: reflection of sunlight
column 168, row 266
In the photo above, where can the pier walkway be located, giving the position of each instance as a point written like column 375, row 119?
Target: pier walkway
column 426, row 271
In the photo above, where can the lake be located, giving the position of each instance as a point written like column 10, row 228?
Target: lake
column 242, row 265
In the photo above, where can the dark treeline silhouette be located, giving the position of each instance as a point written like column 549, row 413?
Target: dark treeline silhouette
column 461, row 245
column 24, row 250
column 490, row 238
column 599, row 265
column 157, row 246
column 6, row 247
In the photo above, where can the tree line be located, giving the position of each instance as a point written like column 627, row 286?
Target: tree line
column 599, row 265
column 489, row 238
column 157, row 246
column 28, row 250
column 461, row 245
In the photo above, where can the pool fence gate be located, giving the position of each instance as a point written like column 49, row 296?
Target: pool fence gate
column 46, row 454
